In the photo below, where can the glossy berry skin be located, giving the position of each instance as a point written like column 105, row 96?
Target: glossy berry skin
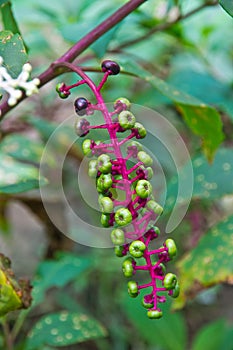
column 123, row 103
column 82, row 127
column 145, row 158
column 62, row 94
column 176, row 291
column 86, row 146
column 104, row 182
column 143, row 189
column 128, row 267
column 118, row 236
column 137, row 249
column 154, row 314
column 92, row 169
column 104, row 164
column 133, row 289
column 123, row 217
column 141, row 131
column 111, row 67
column 171, row 246
column 80, row 105
column 147, row 304
column 105, row 220
column 106, row 205
column 119, row 251
column 126, row 120
column 155, row 207
column 170, row 281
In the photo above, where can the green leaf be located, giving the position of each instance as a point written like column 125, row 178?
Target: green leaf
column 57, row 273
column 202, row 119
column 17, row 177
column 210, row 337
column 8, row 18
column 228, row 6
column 211, row 181
column 63, row 329
column 13, row 52
column 169, row 332
column 22, row 148
column 209, row 263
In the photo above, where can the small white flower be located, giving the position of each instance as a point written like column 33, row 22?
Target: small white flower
column 14, row 87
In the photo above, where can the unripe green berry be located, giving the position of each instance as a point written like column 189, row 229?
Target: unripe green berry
column 137, row 248
column 104, row 182
column 62, row 94
column 122, row 101
column 150, row 173
column 133, row 289
column 123, row 217
column 119, row 251
column 155, row 207
column 118, row 236
column 143, row 189
column 86, row 146
column 140, row 129
column 154, row 314
column 145, row 158
column 146, row 304
column 128, row 267
column 105, row 220
column 135, row 144
column 170, row 281
column 176, row 291
column 106, row 205
column 92, row 170
column 126, row 120
column 104, row 164
column 171, row 246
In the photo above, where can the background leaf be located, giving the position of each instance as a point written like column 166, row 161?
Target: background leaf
column 210, row 337
column 63, row 329
column 228, row 6
column 209, row 263
column 17, row 177
column 201, row 118
column 13, row 52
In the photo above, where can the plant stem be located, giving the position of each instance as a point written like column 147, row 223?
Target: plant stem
column 164, row 26
column 81, row 46
column 7, row 335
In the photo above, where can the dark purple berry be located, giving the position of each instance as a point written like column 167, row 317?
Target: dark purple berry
column 111, row 67
column 80, row 105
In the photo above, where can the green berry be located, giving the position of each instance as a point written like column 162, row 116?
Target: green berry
column 135, row 144
column 86, row 146
column 154, row 314
column 126, row 120
column 170, row 281
column 128, row 267
column 150, row 173
column 104, row 164
column 143, row 189
column 133, row 289
column 92, row 170
column 171, row 246
column 155, row 207
column 176, row 291
column 123, row 217
column 118, row 236
column 137, row 248
column 145, row 158
column 106, row 205
column 62, row 94
column 122, row 101
column 119, row 251
column 140, row 129
column 146, row 304
column 104, row 182
column 105, row 220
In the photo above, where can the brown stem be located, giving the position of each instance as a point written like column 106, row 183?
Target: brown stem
column 164, row 26
column 81, row 46
column 7, row 335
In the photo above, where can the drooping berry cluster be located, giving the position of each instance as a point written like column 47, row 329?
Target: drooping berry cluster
column 122, row 170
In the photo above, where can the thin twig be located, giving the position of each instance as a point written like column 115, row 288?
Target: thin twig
column 7, row 335
column 164, row 26
column 81, row 46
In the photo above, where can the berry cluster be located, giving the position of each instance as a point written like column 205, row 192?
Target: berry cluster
column 122, row 170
